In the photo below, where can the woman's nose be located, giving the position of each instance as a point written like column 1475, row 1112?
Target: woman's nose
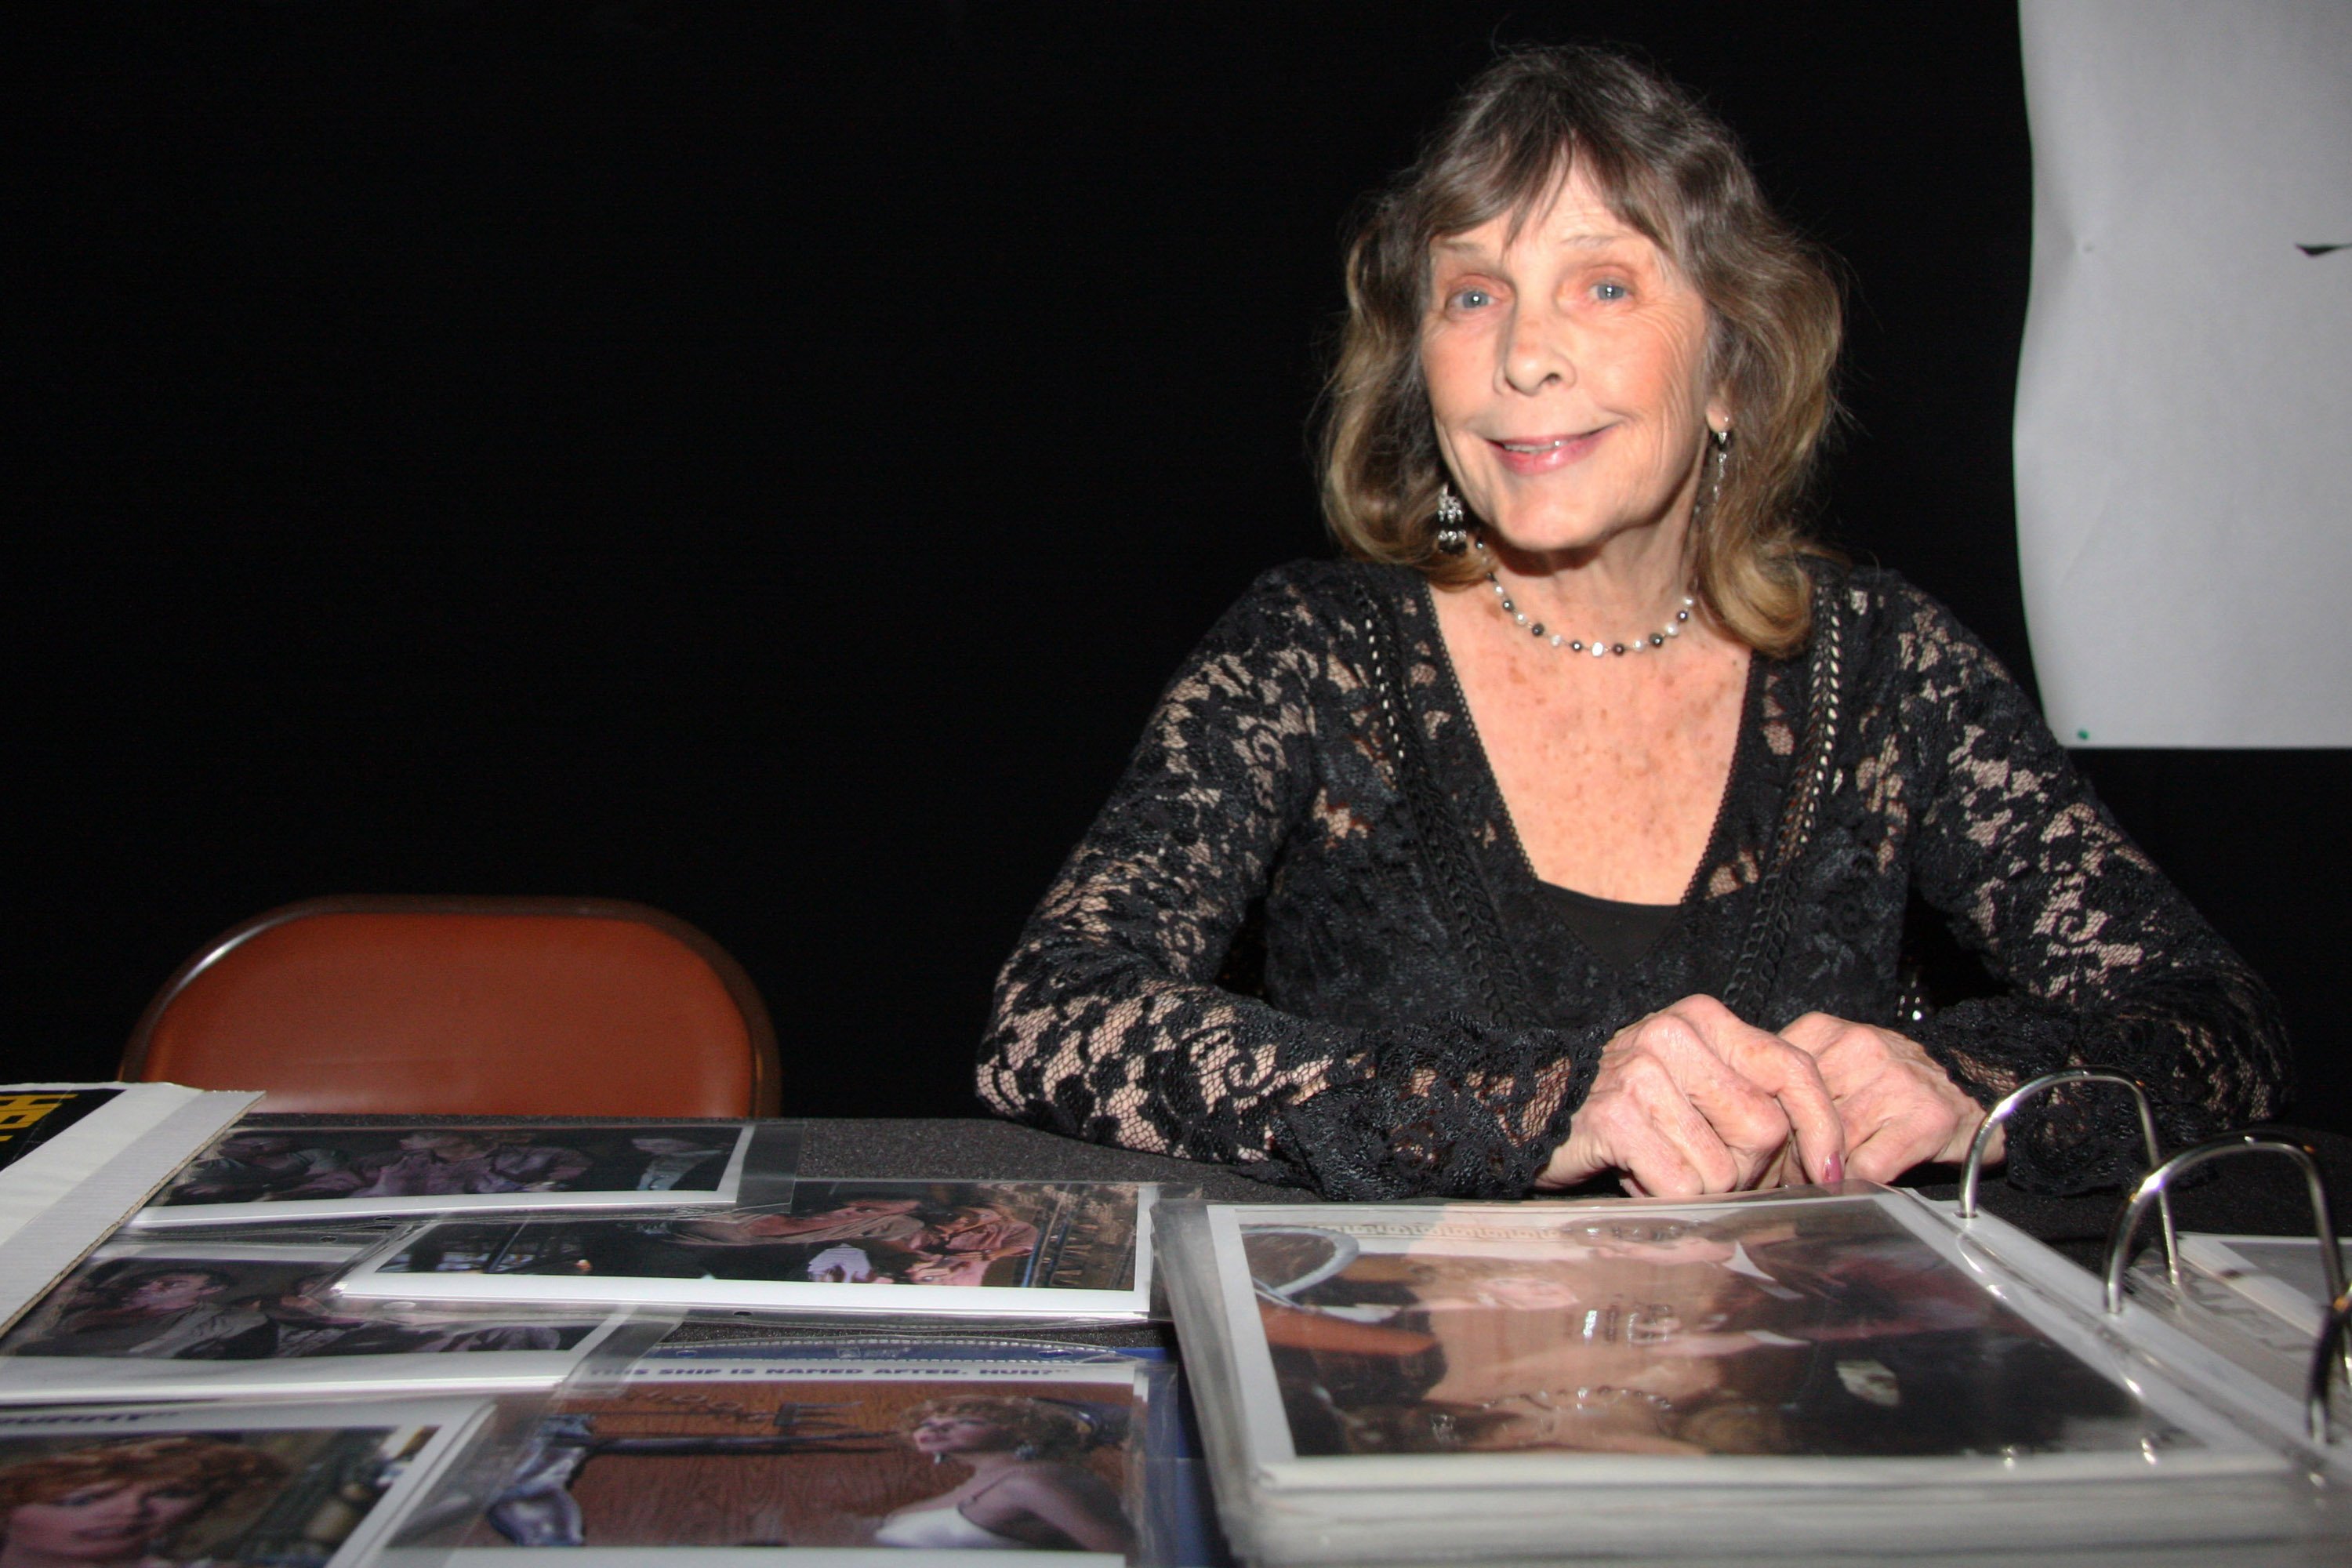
column 1537, row 353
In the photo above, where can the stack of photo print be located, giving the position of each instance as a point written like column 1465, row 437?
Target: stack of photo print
column 859, row 1451
column 323, row 1344
column 1818, row 1375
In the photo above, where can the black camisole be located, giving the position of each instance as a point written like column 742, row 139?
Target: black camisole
column 1618, row 933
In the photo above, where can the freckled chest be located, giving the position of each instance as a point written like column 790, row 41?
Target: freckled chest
column 1613, row 776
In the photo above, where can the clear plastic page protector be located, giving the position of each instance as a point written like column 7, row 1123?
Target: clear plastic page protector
column 225, row 1485
column 326, row 1170
column 1177, row 1518
column 2255, row 1300
column 2282, row 1275
column 846, row 1452
column 1403, row 1382
column 1035, row 1251
column 192, row 1318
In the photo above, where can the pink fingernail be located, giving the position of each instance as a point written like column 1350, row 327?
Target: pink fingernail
column 1834, row 1170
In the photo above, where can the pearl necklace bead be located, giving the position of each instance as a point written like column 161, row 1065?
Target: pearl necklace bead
column 1658, row 638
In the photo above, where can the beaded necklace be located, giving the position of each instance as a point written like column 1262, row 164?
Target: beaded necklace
column 1596, row 648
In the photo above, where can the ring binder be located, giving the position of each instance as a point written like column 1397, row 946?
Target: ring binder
column 2010, row 1102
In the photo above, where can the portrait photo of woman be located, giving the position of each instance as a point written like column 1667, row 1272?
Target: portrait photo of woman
column 125, row 1504
column 1023, row 1489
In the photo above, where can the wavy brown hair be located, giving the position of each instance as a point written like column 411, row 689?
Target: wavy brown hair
column 1671, row 170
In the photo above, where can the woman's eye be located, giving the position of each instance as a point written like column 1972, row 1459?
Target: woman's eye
column 1472, row 298
column 1611, row 291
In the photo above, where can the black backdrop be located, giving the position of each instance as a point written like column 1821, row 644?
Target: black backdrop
column 762, row 460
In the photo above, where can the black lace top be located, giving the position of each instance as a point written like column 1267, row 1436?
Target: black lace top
column 1426, row 1022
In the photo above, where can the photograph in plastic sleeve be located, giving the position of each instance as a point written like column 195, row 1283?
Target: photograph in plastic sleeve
column 328, row 1171
column 1823, row 1327
column 176, row 1320
column 216, row 1485
column 978, row 1458
column 2281, row 1274
column 1017, row 1248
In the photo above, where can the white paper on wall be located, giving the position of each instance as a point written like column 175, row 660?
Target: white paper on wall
column 2184, row 410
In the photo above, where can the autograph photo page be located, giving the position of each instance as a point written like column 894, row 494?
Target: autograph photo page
column 995, row 1249
column 980, row 1460
column 216, row 1487
column 328, row 1170
column 1810, row 1329
column 192, row 1318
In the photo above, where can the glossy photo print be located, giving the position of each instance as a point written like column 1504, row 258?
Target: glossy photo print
column 197, row 1319
column 1814, row 1328
column 329, row 1170
column 215, row 1487
column 979, row 1458
column 1027, row 1248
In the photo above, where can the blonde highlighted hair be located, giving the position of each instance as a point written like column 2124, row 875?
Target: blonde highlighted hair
column 1673, row 172
column 1048, row 1431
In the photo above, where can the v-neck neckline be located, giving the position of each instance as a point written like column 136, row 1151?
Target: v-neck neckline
column 1713, row 853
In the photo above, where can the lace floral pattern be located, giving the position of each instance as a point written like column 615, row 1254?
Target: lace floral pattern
column 1424, row 1023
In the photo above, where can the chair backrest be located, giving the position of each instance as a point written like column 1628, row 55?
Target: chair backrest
column 473, row 1005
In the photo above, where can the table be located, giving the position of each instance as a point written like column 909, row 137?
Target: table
column 2247, row 1196
column 2241, row 1197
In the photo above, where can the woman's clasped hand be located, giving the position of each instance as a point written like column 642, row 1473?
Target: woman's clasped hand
column 1691, row 1100
column 1898, row 1108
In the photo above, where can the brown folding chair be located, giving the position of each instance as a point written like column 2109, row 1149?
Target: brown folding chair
column 466, row 1005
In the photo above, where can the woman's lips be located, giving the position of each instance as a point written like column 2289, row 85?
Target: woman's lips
column 1529, row 455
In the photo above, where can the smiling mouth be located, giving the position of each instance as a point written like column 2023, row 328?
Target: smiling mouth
column 1532, row 447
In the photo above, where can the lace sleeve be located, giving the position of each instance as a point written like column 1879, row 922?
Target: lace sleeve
column 2110, row 966
column 1109, row 1024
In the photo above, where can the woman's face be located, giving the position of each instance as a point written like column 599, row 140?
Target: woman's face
column 947, row 1434
column 109, row 1522
column 1567, row 374
column 1529, row 1292
column 169, row 1292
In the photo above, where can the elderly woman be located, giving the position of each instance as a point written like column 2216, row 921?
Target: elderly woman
column 122, row 1502
column 1573, row 821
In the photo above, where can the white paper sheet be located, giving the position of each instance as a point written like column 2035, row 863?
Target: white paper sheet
column 62, row 1198
column 2184, row 409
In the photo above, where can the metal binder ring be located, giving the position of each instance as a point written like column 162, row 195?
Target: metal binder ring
column 2152, row 1187
column 2335, row 1341
column 2332, row 1337
column 2009, row 1103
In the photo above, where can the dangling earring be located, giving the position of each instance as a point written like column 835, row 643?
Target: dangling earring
column 1721, row 441
column 938, row 1459
column 1452, row 537
column 1025, row 1452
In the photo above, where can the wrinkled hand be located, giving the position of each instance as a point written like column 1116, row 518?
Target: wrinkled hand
column 1898, row 1108
column 1691, row 1100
